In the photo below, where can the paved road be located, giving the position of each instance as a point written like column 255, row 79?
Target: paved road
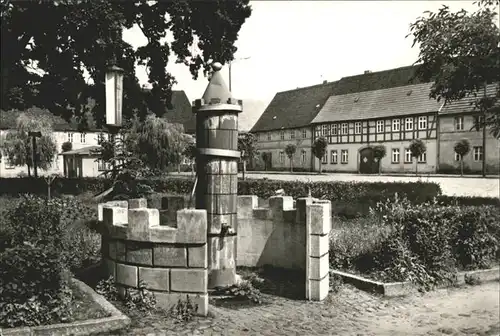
column 457, row 311
column 486, row 187
column 452, row 186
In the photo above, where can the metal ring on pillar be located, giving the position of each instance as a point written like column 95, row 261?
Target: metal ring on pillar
column 219, row 152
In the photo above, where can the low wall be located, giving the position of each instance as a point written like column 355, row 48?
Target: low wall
column 150, row 246
column 285, row 236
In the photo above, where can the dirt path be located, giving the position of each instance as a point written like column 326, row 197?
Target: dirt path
column 457, row 311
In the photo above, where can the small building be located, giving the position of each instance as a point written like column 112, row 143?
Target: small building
column 83, row 162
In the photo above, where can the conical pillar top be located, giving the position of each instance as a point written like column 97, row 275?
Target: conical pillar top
column 217, row 88
column 217, row 95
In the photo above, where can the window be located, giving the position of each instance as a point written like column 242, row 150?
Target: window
column 282, row 157
column 304, row 133
column 422, row 122
column 396, row 125
column 324, row 130
column 409, row 124
column 333, row 157
column 333, row 129
column 70, row 137
column 357, row 128
column 82, row 137
column 345, row 128
column 292, row 134
column 324, row 159
column 457, row 157
column 477, row 152
column 422, row 158
column 395, row 155
column 102, row 166
column 408, row 158
column 282, row 135
column 478, row 120
column 380, row 126
column 344, row 155
column 459, row 123
column 303, row 157
column 269, row 136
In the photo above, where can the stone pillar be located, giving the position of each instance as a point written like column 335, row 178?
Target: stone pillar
column 217, row 170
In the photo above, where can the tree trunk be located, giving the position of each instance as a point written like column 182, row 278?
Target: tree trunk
column 416, row 166
column 461, row 165
column 320, row 166
column 48, row 191
column 484, row 135
column 178, row 168
column 379, row 166
column 192, row 169
column 244, row 168
column 29, row 171
column 291, row 165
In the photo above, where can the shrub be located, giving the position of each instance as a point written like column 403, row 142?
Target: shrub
column 36, row 221
column 27, row 271
column 474, row 243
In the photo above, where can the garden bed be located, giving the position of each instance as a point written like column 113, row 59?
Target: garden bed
column 391, row 289
column 92, row 314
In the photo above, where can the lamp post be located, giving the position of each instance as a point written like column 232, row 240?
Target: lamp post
column 33, row 136
column 230, row 62
column 114, row 99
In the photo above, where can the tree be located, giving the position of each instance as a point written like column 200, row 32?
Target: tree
column 319, row 150
column 50, row 55
column 417, row 148
column 190, row 153
column 379, row 152
column 460, row 53
column 462, row 148
column 18, row 145
column 247, row 146
column 66, row 146
column 290, row 150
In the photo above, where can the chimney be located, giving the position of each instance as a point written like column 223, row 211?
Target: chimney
column 325, row 81
column 367, row 71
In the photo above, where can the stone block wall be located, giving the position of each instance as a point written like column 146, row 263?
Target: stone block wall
column 145, row 245
column 287, row 236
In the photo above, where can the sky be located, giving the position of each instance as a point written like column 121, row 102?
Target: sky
column 293, row 44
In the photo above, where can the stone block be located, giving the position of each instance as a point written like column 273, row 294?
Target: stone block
column 319, row 218
column 188, row 280
column 137, row 203
column 155, row 278
column 192, row 226
column 318, row 267
column 319, row 245
column 216, row 221
column 139, row 253
column 228, row 166
column 170, row 256
column 262, row 213
column 234, row 184
column 246, row 204
column 114, row 216
column 139, row 222
column 163, row 234
column 197, row 256
column 168, row 300
column 117, row 250
column 318, row 289
column 224, row 184
column 214, row 184
column 126, row 275
column 301, row 206
column 110, row 268
column 280, row 203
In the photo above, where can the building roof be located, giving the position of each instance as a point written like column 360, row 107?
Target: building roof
column 466, row 105
column 85, row 151
column 180, row 113
column 401, row 100
column 294, row 108
column 297, row 108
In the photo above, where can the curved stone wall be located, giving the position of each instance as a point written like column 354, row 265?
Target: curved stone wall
column 165, row 249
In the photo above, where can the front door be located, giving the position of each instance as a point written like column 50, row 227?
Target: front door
column 367, row 163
